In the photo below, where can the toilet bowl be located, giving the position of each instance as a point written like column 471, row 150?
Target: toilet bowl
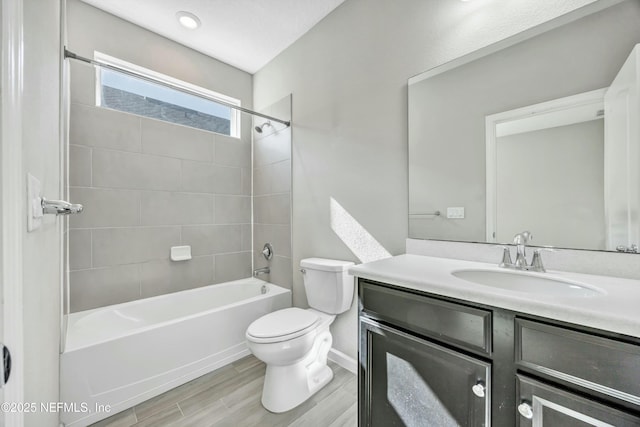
column 295, row 343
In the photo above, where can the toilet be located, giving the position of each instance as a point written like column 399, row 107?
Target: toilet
column 294, row 343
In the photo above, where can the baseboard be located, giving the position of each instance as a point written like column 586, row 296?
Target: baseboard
column 348, row 363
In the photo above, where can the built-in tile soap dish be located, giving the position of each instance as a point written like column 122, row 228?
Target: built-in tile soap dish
column 180, row 253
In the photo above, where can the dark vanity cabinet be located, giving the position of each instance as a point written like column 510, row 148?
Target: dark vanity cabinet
column 411, row 377
column 432, row 361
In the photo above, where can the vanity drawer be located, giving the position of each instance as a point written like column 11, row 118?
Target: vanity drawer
column 604, row 365
column 462, row 326
column 550, row 406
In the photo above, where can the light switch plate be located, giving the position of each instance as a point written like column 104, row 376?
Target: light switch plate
column 34, row 203
column 455, row 213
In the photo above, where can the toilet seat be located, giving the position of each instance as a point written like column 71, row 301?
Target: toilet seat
column 282, row 325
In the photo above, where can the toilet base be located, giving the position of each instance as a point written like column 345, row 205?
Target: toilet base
column 286, row 387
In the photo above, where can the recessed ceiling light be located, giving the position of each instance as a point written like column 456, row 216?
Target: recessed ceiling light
column 188, row 20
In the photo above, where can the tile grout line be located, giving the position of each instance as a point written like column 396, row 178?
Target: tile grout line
column 105, row 267
column 180, row 409
column 164, row 156
column 152, row 190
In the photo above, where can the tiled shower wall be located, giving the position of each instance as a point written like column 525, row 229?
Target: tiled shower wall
column 148, row 185
column 272, row 193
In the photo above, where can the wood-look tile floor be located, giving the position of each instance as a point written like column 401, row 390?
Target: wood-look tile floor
column 230, row 396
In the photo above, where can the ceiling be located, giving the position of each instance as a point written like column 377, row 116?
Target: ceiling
column 244, row 33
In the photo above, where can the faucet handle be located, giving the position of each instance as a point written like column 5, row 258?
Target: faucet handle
column 536, row 261
column 506, row 257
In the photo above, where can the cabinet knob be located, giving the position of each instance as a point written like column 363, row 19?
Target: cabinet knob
column 525, row 410
column 478, row 389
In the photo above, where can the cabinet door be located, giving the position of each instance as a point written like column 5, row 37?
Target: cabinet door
column 407, row 381
column 542, row 405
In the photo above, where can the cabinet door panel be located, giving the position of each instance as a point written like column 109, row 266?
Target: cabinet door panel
column 552, row 407
column 406, row 381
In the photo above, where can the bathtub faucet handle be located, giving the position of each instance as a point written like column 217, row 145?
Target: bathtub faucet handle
column 267, row 251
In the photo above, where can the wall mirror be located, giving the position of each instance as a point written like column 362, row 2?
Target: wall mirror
column 542, row 134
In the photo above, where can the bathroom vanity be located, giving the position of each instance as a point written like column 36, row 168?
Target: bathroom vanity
column 438, row 350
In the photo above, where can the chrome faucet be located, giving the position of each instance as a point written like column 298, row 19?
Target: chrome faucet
column 259, row 271
column 521, row 240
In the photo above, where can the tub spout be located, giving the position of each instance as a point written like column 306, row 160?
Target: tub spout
column 259, row 271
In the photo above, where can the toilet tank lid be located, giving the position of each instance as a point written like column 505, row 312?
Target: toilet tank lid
column 325, row 264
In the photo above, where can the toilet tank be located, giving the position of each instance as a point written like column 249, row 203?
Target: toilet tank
column 328, row 284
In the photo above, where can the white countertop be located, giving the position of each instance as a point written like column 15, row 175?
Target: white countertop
column 616, row 310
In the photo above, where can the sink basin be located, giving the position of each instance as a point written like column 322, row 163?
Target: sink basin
column 527, row 282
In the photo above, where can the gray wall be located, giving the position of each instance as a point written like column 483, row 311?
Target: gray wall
column 41, row 248
column 272, row 193
column 348, row 76
column 148, row 185
column 551, row 181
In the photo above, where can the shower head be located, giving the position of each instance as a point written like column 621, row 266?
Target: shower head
column 261, row 127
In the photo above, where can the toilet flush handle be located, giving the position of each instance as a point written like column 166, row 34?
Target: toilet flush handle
column 303, row 271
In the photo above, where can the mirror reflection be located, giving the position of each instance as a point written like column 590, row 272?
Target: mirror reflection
column 540, row 136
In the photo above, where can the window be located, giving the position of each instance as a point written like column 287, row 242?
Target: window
column 126, row 93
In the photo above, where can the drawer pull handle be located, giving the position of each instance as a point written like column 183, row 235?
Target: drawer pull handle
column 525, row 410
column 478, row 389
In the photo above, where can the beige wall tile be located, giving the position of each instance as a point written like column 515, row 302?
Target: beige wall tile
column 232, row 152
column 79, row 166
column 79, row 249
column 281, row 177
column 168, row 208
column 246, row 237
column 280, row 209
column 227, row 180
column 104, row 128
column 105, row 286
column 113, row 246
column 163, row 277
column 116, row 169
column 198, row 177
column 272, row 178
column 233, row 210
column 183, row 142
column 273, row 209
column 212, row 239
column 281, row 272
column 278, row 235
column 261, row 181
column 232, row 267
column 246, row 181
column 105, row 208
column 261, row 210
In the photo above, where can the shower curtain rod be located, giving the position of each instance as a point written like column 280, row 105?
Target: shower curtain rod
column 97, row 63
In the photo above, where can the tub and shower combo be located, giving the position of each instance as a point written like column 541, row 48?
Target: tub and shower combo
column 118, row 356
column 124, row 354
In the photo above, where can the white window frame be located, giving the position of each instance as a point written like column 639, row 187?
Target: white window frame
column 117, row 62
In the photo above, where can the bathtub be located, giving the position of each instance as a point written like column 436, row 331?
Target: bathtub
column 118, row 356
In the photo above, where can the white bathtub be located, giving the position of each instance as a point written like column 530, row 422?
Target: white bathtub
column 124, row 354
